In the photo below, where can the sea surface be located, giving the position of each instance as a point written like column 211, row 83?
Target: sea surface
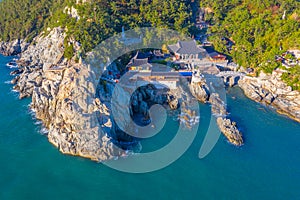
column 266, row 167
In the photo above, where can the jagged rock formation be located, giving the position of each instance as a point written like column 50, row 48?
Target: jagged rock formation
column 38, row 59
column 106, row 120
column 226, row 126
column 63, row 98
column 13, row 48
column 203, row 93
column 217, row 105
column 199, row 89
column 78, row 121
column 66, row 107
column 173, row 101
column 229, row 129
column 269, row 89
column 146, row 96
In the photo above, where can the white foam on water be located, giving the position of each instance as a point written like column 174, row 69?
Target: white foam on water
column 44, row 131
column 31, row 111
column 116, row 157
column 37, row 122
column 12, row 66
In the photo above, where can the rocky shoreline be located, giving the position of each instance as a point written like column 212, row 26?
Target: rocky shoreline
column 63, row 98
column 270, row 90
column 79, row 122
column 206, row 93
column 13, row 48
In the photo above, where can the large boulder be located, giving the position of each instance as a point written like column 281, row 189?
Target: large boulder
column 200, row 91
column 230, row 131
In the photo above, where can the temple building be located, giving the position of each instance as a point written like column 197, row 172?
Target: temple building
column 187, row 51
column 216, row 57
column 156, row 74
column 140, row 62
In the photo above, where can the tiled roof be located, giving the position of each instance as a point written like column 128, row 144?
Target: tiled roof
column 140, row 59
column 213, row 54
column 186, row 47
column 139, row 62
column 174, row 47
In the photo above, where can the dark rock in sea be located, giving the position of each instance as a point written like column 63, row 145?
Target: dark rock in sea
column 173, row 102
column 16, row 72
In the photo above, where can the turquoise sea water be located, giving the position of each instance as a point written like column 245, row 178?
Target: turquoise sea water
column 266, row 167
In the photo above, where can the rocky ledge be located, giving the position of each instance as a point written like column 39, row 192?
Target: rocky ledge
column 229, row 129
column 63, row 98
column 76, row 109
column 271, row 90
column 13, row 48
column 226, row 126
column 200, row 89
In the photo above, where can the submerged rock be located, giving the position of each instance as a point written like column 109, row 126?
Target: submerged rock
column 217, row 105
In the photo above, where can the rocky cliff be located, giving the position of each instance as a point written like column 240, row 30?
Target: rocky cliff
column 79, row 122
column 63, row 98
column 200, row 89
column 13, row 48
column 270, row 90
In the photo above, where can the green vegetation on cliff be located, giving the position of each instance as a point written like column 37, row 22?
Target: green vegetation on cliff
column 292, row 78
column 96, row 20
column 259, row 30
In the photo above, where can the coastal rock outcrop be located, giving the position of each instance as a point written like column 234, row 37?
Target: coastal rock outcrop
column 76, row 109
column 271, row 90
column 229, row 129
column 37, row 60
column 226, row 126
column 63, row 98
column 173, row 102
column 67, row 108
column 199, row 89
column 217, row 105
column 13, row 48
